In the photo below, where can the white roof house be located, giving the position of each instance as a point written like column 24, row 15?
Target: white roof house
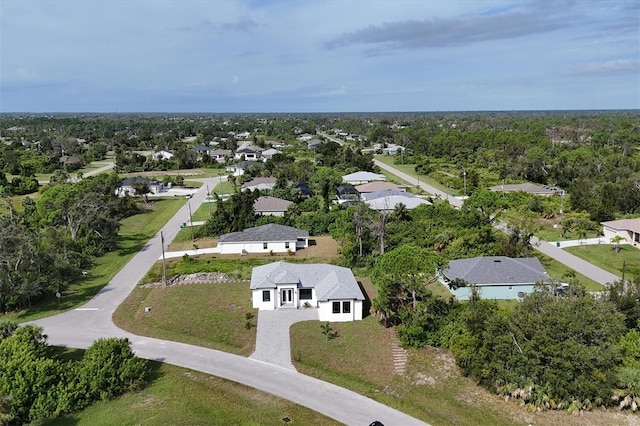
column 358, row 178
column 248, row 152
column 387, row 200
column 163, row 154
column 529, row 188
column 496, row 277
column 260, row 183
column 264, row 239
column 332, row 290
column 267, row 154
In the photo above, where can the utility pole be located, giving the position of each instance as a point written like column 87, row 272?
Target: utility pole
column 164, row 262
column 464, row 178
column 190, row 220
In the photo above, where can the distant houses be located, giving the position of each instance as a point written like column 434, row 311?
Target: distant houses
column 271, row 206
column 270, row 238
column 129, row 185
column 359, row 178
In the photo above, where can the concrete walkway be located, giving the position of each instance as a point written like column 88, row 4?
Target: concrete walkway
column 272, row 341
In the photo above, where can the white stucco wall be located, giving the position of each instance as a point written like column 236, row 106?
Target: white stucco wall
column 256, row 296
column 325, row 311
column 275, row 246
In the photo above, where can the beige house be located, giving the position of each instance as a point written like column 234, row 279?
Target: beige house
column 629, row 229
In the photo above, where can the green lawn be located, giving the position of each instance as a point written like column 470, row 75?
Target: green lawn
column 220, row 323
column 178, row 396
column 603, row 256
column 410, row 170
column 559, row 272
column 135, row 232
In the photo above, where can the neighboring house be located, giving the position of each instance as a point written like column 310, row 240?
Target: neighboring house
column 275, row 144
column 393, row 149
column 529, row 188
column 303, row 188
column 271, row 206
column 629, row 229
column 127, row 187
column 70, row 160
column 379, row 186
column 305, row 137
column 260, row 183
column 267, row 154
column 243, row 135
column 248, row 152
column 333, row 290
column 359, row 178
column 314, row 144
column 240, row 168
column 163, row 154
column 264, row 239
column 347, row 193
column 495, row 277
column 221, row 155
column 387, row 200
column 201, row 150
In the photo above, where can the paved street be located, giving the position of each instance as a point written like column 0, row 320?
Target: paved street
column 80, row 327
column 599, row 275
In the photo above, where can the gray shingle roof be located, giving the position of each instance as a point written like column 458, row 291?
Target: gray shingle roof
column 265, row 233
column 271, row 204
column 497, row 270
column 330, row 282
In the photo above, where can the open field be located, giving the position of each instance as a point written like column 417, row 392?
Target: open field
column 219, row 324
column 602, row 255
column 178, row 396
column 135, row 231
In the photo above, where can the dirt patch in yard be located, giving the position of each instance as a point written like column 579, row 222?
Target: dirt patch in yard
column 199, row 278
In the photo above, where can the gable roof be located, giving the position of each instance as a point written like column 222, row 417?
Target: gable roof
column 215, row 152
column 271, row 152
column 271, row 204
column 363, row 177
column 623, row 224
column 132, row 180
column 329, row 281
column 247, row 147
column 265, row 233
column 493, row 270
column 201, row 148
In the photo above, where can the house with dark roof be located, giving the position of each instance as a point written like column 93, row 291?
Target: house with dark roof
column 332, row 290
column 314, row 143
column 495, row 277
column 264, row 239
column 629, row 229
column 303, row 189
column 347, row 193
column 271, row 206
column 248, row 152
column 128, row 185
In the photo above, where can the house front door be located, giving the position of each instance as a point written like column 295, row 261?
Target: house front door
column 287, row 296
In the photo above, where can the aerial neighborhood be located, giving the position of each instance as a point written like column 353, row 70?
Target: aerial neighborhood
column 398, row 253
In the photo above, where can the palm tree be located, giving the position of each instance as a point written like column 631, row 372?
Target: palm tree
column 617, row 240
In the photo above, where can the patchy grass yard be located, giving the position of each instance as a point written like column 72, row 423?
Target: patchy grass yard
column 219, row 323
column 135, row 232
column 178, row 396
column 603, row 255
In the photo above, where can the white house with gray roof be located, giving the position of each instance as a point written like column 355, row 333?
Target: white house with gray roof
column 271, row 206
column 495, row 277
column 333, row 290
column 264, row 239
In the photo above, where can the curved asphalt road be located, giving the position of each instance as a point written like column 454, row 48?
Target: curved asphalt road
column 78, row 328
column 599, row 275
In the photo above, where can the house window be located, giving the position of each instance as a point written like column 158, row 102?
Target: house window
column 336, row 307
column 266, row 295
column 346, row 307
column 286, row 245
column 264, row 245
column 305, row 294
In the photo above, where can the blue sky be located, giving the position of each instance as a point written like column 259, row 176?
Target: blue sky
column 318, row 56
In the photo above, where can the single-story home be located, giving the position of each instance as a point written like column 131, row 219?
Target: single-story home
column 240, row 168
column 70, row 160
column 271, row 206
column 163, row 154
column 267, row 154
column 259, row 183
column 387, row 200
column 529, row 188
column 358, row 178
column 305, row 137
column 127, row 187
column 314, row 144
column 347, row 193
column 303, row 189
column 495, row 277
column 221, row 155
column 248, row 152
column 264, row 239
column 393, row 149
column 333, row 290
column 242, row 135
column 275, row 143
column 379, row 186
column 201, row 150
column 629, row 229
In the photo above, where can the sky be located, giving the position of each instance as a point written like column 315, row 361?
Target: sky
column 302, row 56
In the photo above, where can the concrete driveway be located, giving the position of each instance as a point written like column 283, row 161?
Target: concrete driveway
column 272, row 341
